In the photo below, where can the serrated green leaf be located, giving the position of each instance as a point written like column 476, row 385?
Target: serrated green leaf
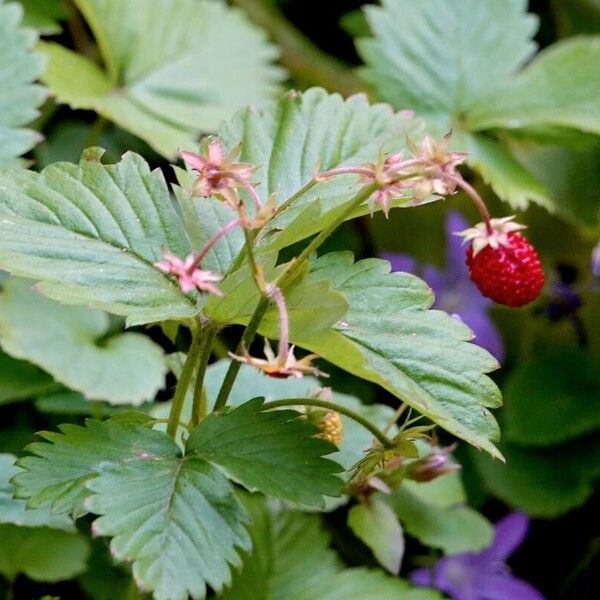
column 509, row 179
column 44, row 15
column 55, row 476
column 560, row 87
column 551, row 400
column 71, row 343
column 73, row 403
column 177, row 519
column 41, row 553
column 291, row 560
column 91, row 233
column 165, row 88
column 376, row 524
column 13, row 511
column 543, row 483
column 20, row 97
column 252, row 383
column 304, row 132
column 366, row 584
column 274, row 452
column 424, row 55
column 312, row 305
column 391, row 337
column 20, row 380
column 454, row 529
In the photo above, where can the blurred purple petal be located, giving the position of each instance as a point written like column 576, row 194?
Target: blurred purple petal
column 506, row 587
column 486, row 333
column 400, row 262
column 422, row 577
column 482, row 575
column 510, row 533
column 455, row 249
column 596, row 260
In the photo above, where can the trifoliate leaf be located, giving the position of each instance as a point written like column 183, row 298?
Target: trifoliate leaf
column 391, row 337
column 561, row 87
column 73, row 403
column 274, row 452
column 454, row 529
column 56, row 475
column 173, row 68
column 41, row 553
column 176, row 519
column 74, row 345
column 20, row 380
column 20, row 97
column 291, row 560
column 14, row 511
column 551, row 400
column 376, row 524
column 91, row 233
column 433, row 63
column 45, row 16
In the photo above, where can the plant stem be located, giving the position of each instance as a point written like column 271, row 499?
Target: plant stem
column 385, row 441
column 285, row 278
column 184, row 382
column 307, row 64
column 476, row 198
column 199, row 408
column 234, row 366
column 96, row 131
column 213, row 240
column 394, row 418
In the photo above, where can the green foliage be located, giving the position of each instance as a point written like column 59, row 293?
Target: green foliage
column 552, row 400
column 76, row 346
column 98, row 229
column 56, row 475
column 37, row 543
column 544, row 483
column 45, row 15
column 477, row 88
column 274, row 452
column 177, row 519
column 428, row 362
column 20, row 97
column 13, row 510
column 454, row 529
column 559, row 88
column 376, row 524
column 166, row 89
column 304, row 132
column 20, row 380
column 291, row 560
column 41, row 553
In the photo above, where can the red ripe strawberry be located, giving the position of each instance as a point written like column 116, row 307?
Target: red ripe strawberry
column 503, row 264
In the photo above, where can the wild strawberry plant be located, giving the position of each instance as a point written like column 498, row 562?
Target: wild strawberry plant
column 109, row 236
column 178, row 325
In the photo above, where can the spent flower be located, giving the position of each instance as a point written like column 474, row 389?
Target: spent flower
column 433, row 465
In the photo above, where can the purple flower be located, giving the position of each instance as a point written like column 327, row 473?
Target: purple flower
column 596, row 260
column 483, row 575
column 454, row 291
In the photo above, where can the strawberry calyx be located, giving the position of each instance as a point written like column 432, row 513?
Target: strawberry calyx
column 494, row 234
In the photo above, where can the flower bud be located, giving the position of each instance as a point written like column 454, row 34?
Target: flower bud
column 432, row 466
